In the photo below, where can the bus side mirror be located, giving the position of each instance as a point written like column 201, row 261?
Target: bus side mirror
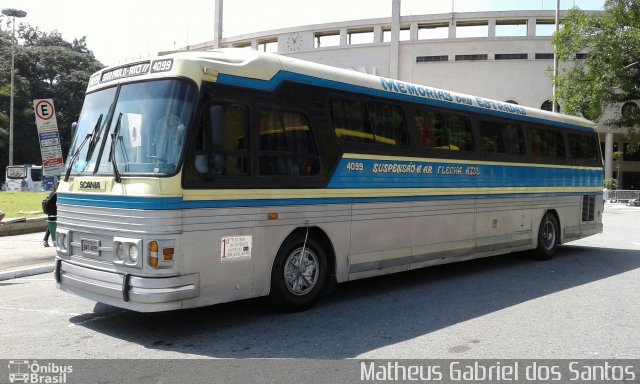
column 74, row 128
column 216, row 136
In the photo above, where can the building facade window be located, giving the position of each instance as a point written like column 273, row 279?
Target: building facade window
column 548, row 106
column 433, row 31
column 511, row 28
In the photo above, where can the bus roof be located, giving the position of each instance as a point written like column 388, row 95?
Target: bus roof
column 266, row 71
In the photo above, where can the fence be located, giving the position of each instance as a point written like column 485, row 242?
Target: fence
column 621, row 196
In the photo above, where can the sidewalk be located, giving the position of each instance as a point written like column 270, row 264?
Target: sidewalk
column 24, row 255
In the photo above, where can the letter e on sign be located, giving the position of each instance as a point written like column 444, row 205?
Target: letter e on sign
column 44, row 110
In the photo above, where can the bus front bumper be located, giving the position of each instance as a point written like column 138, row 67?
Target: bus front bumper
column 142, row 294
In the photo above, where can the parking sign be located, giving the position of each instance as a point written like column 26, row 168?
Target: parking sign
column 52, row 161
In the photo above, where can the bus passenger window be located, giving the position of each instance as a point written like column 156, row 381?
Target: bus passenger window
column 236, row 145
column 222, row 145
column 356, row 121
column 513, row 139
column 388, row 124
column 287, row 147
column 583, row 146
column 350, row 121
column 443, row 131
column 546, row 142
column 491, row 135
column 460, row 136
column 501, row 138
column 430, row 129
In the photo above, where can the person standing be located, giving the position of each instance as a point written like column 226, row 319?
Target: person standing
column 50, row 208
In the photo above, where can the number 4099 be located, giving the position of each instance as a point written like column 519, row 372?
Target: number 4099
column 355, row 166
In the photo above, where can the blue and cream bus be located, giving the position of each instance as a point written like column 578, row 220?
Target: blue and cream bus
column 204, row 177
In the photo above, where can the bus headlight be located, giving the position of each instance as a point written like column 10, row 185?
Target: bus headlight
column 126, row 252
column 133, row 253
column 119, row 251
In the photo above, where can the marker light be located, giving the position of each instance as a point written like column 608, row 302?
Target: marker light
column 167, row 254
column 153, row 254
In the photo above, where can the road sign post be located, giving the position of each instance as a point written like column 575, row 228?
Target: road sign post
column 52, row 161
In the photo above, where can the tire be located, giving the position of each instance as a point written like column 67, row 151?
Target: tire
column 548, row 236
column 297, row 279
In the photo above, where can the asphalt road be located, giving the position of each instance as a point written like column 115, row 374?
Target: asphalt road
column 584, row 303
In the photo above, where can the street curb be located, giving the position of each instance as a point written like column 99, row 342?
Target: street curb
column 30, row 225
column 27, row 271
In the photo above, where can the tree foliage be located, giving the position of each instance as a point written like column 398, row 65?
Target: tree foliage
column 47, row 67
column 609, row 76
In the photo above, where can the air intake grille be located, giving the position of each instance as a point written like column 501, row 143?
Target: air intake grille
column 588, row 207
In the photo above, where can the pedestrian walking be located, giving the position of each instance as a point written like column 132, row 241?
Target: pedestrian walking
column 50, row 208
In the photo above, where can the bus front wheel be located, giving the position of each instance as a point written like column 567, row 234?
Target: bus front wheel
column 548, row 236
column 298, row 275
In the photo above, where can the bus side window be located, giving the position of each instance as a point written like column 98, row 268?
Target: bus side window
column 491, row 134
column 547, row 142
column 501, row 138
column 460, row 136
column 287, row 146
column 443, row 131
column 222, row 146
column 388, row 124
column 350, row 121
column 513, row 139
column 583, row 146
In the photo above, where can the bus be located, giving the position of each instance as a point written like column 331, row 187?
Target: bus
column 23, row 178
column 199, row 178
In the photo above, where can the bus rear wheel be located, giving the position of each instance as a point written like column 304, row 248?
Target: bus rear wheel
column 548, row 236
column 298, row 275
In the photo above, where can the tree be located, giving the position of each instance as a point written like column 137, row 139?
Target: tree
column 609, row 76
column 47, row 67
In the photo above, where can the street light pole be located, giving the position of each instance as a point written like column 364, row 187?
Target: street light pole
column 554, row 107
column 12, row 12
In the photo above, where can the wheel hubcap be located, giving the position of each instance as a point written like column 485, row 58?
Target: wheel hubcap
column 301, row 271
column 548, row 235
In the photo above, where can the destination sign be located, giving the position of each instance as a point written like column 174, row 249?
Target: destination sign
column 126, row 71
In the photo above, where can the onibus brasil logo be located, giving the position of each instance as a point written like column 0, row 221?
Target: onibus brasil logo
column 25, row 371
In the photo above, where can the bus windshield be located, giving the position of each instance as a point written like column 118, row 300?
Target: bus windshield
column 16, row 172
column 149, row 121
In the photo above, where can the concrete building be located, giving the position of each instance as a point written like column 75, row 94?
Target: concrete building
column 507, row 56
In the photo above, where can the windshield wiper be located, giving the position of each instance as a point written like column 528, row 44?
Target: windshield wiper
column 86, row 138
column 112, row 152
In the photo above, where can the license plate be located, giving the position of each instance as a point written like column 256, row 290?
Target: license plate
column 90, row 247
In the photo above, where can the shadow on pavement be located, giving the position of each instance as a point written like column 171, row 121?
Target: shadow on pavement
column 364, row 315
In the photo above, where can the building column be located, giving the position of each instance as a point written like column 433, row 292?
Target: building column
column 608, row 155
column 394, row 47
column 377, row 34
column 531, row 27
column 492, row 28
column 344, row 37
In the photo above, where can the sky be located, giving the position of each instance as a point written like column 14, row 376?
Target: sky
column 121, row 30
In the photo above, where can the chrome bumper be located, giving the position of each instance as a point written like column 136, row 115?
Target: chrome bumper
column 142, row 294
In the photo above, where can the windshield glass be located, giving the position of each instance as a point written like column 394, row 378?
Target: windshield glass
column 150, row 121
column 16, row 172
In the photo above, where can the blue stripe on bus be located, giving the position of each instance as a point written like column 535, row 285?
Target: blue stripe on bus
column 282, row 76
column 422, row 174
column 174, row 203
column 124, row 202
